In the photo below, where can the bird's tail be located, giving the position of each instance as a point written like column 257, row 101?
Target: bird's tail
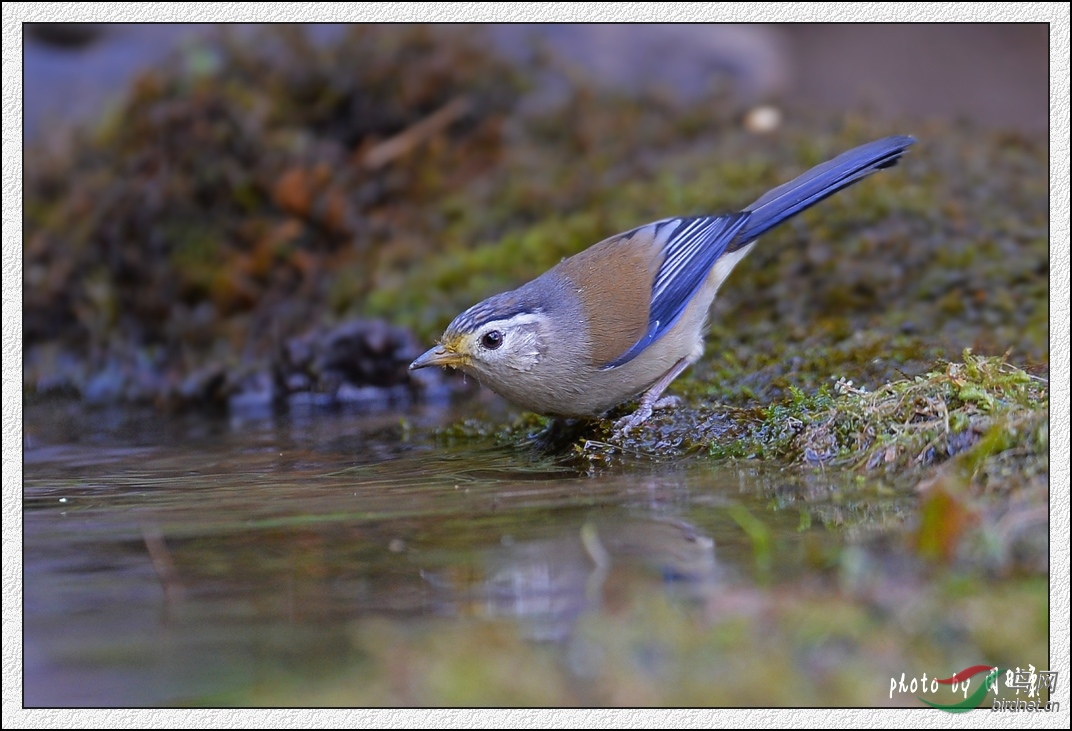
column 821, row 181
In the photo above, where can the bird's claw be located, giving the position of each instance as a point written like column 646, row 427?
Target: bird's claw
column 626, row 424
column 667, row 402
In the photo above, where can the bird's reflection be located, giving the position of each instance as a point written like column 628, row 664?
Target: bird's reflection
column 547, row 584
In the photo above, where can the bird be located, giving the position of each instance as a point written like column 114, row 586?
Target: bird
column 626, row 316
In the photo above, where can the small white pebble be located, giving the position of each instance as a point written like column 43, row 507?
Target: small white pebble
column 763, row 119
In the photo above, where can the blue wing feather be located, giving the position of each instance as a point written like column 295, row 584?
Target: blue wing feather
column 692, row 247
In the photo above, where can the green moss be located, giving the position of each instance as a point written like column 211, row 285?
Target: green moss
column 977, row 408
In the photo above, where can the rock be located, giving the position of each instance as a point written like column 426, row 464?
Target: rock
column 362, row 363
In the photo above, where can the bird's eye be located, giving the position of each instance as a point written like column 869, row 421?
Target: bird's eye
column 492, row 339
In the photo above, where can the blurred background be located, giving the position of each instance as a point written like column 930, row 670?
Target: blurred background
column 994, row 74
column 232, row 184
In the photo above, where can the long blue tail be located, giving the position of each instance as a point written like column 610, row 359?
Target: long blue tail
column 821, row 181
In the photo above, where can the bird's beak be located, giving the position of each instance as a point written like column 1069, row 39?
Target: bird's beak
column 437, row 356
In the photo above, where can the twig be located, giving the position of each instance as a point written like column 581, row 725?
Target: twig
column 409, row 138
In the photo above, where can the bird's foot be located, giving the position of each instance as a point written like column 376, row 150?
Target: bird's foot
column 626, row 424
column 667, row 402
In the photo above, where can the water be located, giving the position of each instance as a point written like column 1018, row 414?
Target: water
column 346, row 559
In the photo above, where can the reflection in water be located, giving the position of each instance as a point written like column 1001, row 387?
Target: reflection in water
column 169, row 562
column 547, row 584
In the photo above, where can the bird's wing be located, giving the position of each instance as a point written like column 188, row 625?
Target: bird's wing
column 691, row 246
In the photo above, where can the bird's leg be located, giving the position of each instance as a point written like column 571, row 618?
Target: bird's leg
column 650, row 400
